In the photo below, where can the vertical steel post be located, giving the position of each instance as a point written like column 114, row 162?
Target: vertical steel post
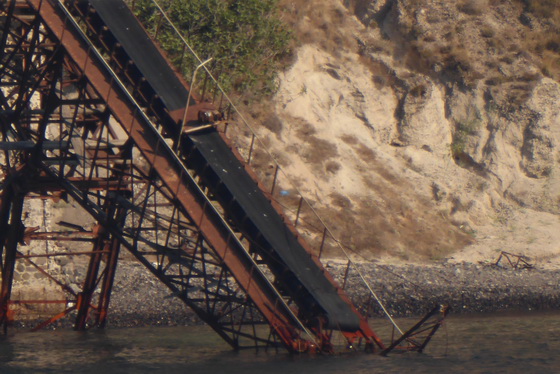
column 274, row 180
column 158, row 26
column 298, row 211
column 325, row 232
column 251, row 150
column 346, row 274
column 5, row 206
column 90, row 282
column 191, row 88
column 108, row 279
column 14, row 235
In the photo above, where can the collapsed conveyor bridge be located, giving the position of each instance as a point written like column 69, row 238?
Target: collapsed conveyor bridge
column 93, row 111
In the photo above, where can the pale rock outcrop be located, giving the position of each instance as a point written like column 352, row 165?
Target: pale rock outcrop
column 453, row 131
column 423, row 122
column 540, row 143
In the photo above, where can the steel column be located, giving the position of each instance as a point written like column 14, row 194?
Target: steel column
column 13, row 237
column 90, row 284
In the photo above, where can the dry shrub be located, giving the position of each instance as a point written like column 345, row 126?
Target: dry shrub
column 273, row 123
column 550, row 66
column 366, row 154
column 340, row 201
column 544, row 8
column 317, row 22
column 473, row 7
column 487, row 32
column 305, row 129
column 318, row 150
column 546, row 45
column 349, row 139
column 332, row 167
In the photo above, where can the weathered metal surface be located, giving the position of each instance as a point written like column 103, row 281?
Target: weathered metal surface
column 100, row 136
column 175, row 178
column 418, row 336
column 515, row 261
column 9, row 252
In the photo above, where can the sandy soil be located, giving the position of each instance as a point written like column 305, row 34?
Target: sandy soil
column 369, row 141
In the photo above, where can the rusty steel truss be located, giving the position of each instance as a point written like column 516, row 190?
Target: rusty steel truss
column 80, row 125
column 71, row 129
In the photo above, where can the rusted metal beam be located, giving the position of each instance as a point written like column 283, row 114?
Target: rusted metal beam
column 28, row 145
column 101, row 246
column 93, row 184
column 13, row 237
column 429, row 324
column 63, row 286
column 515, row 261
column 173, row 175
column 5, row 205
column 61, row 254
column 54, row 318
column 108, row 280
column 23, row 302
column 33, row 234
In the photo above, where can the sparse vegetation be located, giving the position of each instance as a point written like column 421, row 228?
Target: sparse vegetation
column 465, row 128
column 549, row 9
column 332, row 167
column 546, row 43
column 472, row 7
column 467, row 62
column 273, row 123
column 487, row 32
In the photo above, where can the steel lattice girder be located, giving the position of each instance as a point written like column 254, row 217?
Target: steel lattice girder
column 220, row 301
column 283, row 274
column 70, row 129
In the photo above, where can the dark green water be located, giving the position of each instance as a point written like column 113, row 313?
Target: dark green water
column 528, row 343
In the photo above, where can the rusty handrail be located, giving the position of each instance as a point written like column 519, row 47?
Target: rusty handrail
column 184, row 170
column 254, row 135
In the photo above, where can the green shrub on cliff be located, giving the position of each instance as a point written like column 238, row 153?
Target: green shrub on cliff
column 245, row 38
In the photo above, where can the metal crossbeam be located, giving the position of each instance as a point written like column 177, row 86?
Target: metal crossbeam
column 51, row 125
column 81, row 125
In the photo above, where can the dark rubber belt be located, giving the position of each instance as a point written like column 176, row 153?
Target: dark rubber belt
column 147, row 57
column 263, row 215
column 257, row 208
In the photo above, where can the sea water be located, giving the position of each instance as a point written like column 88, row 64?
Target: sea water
column 498, row 343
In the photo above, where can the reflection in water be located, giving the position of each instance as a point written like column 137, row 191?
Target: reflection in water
column 497, row 343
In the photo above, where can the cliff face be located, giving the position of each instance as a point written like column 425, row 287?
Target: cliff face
column 425, row 129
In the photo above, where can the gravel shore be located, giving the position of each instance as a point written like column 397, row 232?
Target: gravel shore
column 139, row 299
column 410, row 290
column 468, row 288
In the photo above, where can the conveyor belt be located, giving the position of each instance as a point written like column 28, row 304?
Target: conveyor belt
column 286, row 251
column 126, row 29
column 277, row 235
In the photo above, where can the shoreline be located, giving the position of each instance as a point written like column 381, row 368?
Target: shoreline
column 467, row 288
column 409, row 290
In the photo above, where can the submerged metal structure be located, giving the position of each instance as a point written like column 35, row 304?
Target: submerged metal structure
column 91, row 111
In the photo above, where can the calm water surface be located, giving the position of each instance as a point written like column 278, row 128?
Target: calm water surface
column 528, row 343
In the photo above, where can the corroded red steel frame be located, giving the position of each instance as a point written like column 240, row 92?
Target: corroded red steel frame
column 365, row 330
column 170, row 173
